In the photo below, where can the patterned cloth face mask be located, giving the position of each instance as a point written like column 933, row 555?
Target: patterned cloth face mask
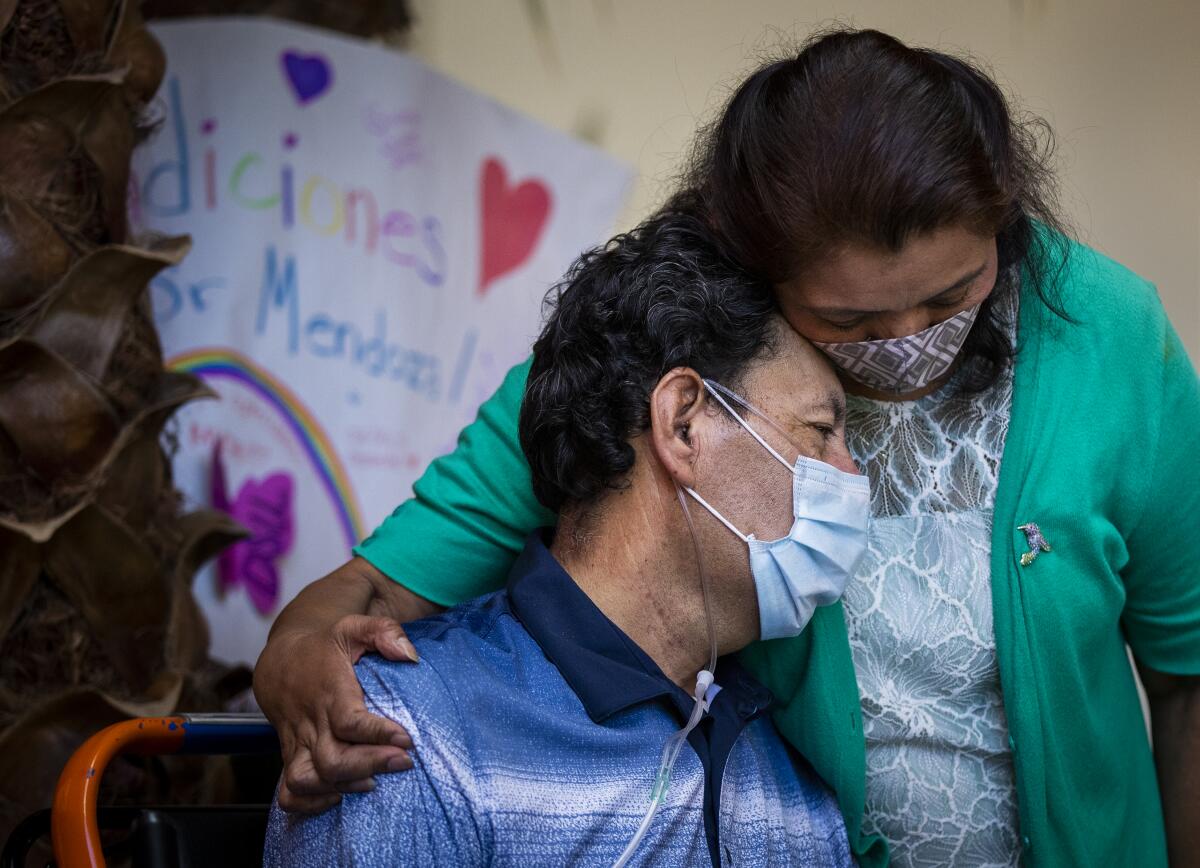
column 907, row 364
column 809, row 567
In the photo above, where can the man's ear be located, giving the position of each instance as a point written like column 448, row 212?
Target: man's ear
column 676, row 403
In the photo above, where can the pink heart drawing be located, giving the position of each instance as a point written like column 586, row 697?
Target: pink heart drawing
column 512, row 220
column 310, row 75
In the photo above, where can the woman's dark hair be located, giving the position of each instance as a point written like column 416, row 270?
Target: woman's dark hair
column 656, row 298
column 861, row 139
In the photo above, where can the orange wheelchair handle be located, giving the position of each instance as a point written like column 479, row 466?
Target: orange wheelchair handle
column 74, row 828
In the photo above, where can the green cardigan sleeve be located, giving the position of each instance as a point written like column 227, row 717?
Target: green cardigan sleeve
column 467, row 520
column 1162, row 578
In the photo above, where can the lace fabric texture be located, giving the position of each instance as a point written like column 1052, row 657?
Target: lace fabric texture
column 940, row 784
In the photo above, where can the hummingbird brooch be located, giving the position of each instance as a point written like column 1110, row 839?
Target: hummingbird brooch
column 1037, row 543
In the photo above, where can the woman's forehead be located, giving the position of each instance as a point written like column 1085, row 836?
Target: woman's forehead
column 863, row 279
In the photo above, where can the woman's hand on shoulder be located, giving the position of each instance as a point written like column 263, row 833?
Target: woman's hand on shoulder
column 305, row 683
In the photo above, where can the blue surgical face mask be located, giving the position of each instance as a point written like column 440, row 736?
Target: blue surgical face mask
column 810, row 566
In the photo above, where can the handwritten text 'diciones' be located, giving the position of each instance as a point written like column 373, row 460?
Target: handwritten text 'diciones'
column 268, row 183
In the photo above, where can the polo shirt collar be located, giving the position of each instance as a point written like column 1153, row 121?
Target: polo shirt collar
column 603, row 667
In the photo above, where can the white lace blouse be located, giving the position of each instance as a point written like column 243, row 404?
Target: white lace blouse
column 940, row 784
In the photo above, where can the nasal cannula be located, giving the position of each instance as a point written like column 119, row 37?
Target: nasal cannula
column 703, row 694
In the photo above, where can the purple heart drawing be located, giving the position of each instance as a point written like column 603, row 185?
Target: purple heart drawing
column 265, row 508
column 310, row 75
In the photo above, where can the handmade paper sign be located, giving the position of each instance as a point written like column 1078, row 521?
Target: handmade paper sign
column 372, row 244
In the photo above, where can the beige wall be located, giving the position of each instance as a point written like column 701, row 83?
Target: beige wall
column 1119, row 81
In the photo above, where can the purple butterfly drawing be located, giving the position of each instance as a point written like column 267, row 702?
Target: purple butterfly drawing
column 263, row 507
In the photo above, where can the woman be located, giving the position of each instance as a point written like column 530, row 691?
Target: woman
column 1028, row 420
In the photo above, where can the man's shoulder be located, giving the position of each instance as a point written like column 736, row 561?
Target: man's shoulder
column 467, row 654
column 478, row 622
column 433, row 813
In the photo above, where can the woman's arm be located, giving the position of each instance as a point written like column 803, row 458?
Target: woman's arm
column 470, row 512
column 1175, row 724
column 1162, row 604
column 453, row 540
column 304, row 682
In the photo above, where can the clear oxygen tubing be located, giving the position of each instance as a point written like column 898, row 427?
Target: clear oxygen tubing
column 704, row 680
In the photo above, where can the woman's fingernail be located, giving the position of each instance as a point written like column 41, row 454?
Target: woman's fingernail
column 399, row 763
column 408, row 650
column 402, row 739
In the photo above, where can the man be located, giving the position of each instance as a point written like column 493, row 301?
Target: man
column 539, row 714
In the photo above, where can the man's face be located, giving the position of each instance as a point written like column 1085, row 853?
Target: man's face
column 799, row 392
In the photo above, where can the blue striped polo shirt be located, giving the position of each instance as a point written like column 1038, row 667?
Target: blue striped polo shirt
column 538, row 727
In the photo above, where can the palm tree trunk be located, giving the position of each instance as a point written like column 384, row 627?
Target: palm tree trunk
column 97, row 617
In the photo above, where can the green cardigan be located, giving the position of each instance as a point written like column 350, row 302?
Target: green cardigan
column 1103, row 452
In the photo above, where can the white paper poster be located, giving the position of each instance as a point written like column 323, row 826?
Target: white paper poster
column 372, row 242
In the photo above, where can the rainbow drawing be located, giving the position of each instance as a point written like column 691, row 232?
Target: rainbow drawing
column 222, row 363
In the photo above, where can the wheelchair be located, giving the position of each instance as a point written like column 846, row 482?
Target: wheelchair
column 158, row 837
